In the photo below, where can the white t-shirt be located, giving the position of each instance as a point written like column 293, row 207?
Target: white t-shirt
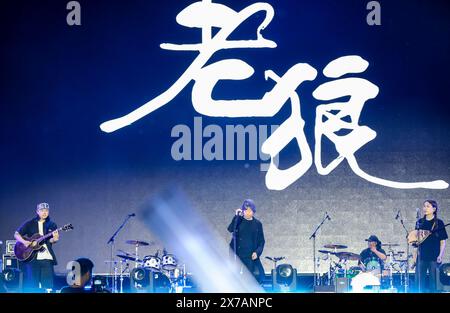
column 43, row 255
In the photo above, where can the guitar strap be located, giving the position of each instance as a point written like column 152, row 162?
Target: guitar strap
column 431, row 230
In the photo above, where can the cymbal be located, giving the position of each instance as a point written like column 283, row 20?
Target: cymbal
column 127, row 257
column 348, row 256
column 390, row 245
column 123, row 252
column 326, row 251
column 138, row 243
column 333, row 246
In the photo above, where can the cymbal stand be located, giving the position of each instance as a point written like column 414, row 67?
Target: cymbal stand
column 329, row 269
column 136, row 249
column 115, row 278
column 122, row 270
column 391, row 269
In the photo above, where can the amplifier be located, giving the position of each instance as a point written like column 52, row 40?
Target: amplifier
column 9, row 261
column 10, row 247
column 342, row 284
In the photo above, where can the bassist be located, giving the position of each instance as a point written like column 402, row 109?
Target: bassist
column 38, row 271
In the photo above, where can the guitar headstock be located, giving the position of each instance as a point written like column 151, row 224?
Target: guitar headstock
column 67, row 227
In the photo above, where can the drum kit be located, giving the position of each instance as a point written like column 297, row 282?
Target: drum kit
column 169, row 272
column 344, row 264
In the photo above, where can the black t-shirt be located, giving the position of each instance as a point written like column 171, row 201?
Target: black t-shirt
column 429, row 249
column 368, row 256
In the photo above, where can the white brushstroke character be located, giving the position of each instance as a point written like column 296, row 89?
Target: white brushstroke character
column 328, row 124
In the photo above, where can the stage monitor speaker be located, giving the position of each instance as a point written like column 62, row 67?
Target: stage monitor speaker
column 443, row 277
column 9, row 261
column 342, row 284
column 284, row 279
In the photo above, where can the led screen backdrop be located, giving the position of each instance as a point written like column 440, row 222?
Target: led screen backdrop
column 355, row 106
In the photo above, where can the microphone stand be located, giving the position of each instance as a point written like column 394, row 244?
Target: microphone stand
column 407, row 252
column 111, row 242
column 313, row 237
column 418, row 274
column 234, row 236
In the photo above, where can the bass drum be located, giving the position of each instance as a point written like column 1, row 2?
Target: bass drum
column 161, row 283
column 373, row 266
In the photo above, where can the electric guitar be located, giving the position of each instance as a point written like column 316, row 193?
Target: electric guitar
column 24, row 253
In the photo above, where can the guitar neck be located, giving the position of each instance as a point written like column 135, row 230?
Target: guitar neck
column 45, row 237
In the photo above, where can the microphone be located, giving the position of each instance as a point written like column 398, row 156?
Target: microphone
column 132, row 214
column 417, row 213
column 398, row 215
column 328, row 217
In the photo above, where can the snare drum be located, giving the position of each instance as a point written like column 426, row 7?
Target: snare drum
column 169, row 262
column 152, row 262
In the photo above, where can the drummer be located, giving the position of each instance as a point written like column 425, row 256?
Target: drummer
column 373, row 256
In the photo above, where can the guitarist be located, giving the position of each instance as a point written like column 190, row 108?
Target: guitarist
column 39, row 269
column 430, row 252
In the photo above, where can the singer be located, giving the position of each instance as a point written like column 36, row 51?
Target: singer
column 248, row 239
column 431, row 250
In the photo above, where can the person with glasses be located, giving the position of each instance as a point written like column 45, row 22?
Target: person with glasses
column 39, row 270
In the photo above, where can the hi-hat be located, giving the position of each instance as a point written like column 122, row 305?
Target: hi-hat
column 334, row 246
column 130, row 258
column 326, row 251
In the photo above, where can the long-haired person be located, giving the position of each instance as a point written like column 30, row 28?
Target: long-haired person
column 430, row 251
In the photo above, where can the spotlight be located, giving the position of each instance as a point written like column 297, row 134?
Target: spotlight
column 443, row 277
column 284, row 278
column 12, row 279
column 145, row 280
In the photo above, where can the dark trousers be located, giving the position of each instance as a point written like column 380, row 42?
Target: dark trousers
column 421, row 275
column 35, row 272
column 254, row 267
